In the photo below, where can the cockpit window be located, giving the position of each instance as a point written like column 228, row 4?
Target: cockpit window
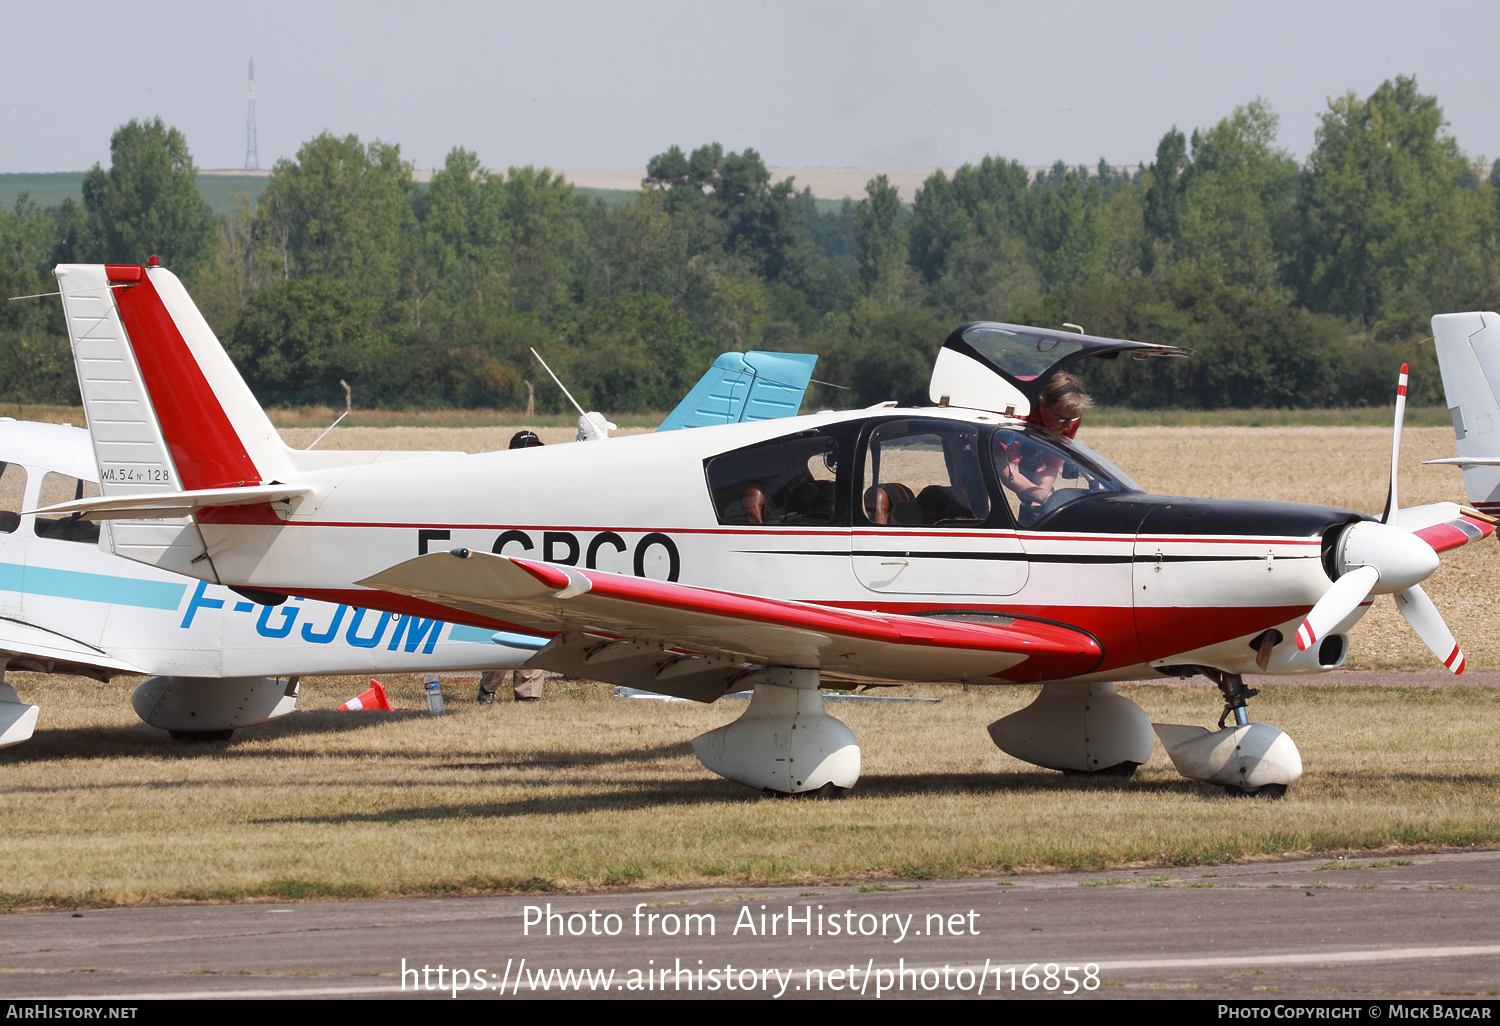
column 787, row 481
column 62, row 488
column 924, row 473
column 12, row 491
column 1040, row 473
column 1023, row 357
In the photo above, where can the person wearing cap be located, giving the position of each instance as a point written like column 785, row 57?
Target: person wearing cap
column 526, row 684
column 1061, row 406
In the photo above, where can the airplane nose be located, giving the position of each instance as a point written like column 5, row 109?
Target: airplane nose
column 1401, row 558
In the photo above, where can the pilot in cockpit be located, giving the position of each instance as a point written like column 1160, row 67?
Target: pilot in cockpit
column 1026, row 468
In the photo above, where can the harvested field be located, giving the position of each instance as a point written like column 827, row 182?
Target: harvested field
column 582, row 791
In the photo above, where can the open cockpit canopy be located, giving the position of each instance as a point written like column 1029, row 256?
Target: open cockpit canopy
column 985, row 365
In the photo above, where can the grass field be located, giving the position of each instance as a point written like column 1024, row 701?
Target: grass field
column 582, row 791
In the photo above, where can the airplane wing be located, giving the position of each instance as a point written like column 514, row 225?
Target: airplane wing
column 699, row 643
column 1446, row 525
column 27, row 647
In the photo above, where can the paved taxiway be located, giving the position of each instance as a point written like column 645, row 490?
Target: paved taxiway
column 1256, row 931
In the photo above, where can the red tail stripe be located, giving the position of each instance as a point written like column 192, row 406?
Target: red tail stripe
column 204, row 445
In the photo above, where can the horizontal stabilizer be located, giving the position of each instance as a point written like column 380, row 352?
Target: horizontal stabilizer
column 174, row 504
column 1466, row 461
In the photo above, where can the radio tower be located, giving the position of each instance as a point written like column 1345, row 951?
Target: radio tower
column 252, row 158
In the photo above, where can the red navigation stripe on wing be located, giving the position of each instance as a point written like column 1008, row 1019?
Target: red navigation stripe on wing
column 1052, row 650
column 204, row 445
column 1453, row 533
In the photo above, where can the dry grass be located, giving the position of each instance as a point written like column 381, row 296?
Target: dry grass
column 583, row 791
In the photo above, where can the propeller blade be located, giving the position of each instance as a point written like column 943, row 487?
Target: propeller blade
column 1425, row 619
column 1390, row 502
column 1337, row 602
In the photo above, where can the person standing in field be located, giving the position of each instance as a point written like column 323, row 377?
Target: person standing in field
column 1061, row 406
column 527, row 684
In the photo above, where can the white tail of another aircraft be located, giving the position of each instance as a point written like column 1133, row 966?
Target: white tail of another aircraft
column 1468, row 351
column 170, row 415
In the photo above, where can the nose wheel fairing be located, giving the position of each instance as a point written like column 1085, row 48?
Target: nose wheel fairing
column 1246, row 758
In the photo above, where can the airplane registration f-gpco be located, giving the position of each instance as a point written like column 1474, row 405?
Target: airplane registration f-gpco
column 873, row 546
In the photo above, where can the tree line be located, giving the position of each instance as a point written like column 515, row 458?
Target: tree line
column 1297, row 285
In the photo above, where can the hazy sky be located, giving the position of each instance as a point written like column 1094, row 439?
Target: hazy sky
column 809, row 83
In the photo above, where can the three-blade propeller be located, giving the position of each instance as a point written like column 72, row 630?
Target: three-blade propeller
column 1383, row 559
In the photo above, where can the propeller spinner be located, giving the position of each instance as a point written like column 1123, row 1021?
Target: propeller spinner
column 1384, row 559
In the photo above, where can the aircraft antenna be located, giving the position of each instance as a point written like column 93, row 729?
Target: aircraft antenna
column 559, row 383
column 348, row 405
column 252, row 157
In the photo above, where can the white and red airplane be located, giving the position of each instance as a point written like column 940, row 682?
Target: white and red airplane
column 874, row 546
column 215, row 660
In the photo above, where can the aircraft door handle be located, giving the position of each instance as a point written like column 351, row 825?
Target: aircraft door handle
column 895, row 562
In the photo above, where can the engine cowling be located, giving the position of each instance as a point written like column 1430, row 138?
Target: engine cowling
column 201, row 705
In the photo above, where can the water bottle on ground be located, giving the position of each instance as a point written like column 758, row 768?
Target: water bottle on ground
column 434, row 689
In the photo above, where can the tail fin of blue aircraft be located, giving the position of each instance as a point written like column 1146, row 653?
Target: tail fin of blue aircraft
column 743, row 387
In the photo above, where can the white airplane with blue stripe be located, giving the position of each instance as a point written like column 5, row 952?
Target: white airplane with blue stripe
column 217, row 661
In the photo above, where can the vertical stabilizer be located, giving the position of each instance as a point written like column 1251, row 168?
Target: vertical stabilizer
column 167, row 410
column 1468, row 351
column 742, row 387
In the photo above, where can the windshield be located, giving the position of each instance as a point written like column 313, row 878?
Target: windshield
column 1023, row 357
column 1039, row 473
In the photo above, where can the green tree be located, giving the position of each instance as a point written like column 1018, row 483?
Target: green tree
column 1074, row 239
column 295, row 339
column 992, row 199
column 148, row 201
column 881, row 240
column 543, row 217
column 36, row 365
column 1394, row 221
column 635, row 353
column 879, row 352
column 1237, row 198
column 1165, row 188
column 340, row 209
column 464, row 233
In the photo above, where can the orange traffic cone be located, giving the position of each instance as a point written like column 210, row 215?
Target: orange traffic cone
column 372, row 699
